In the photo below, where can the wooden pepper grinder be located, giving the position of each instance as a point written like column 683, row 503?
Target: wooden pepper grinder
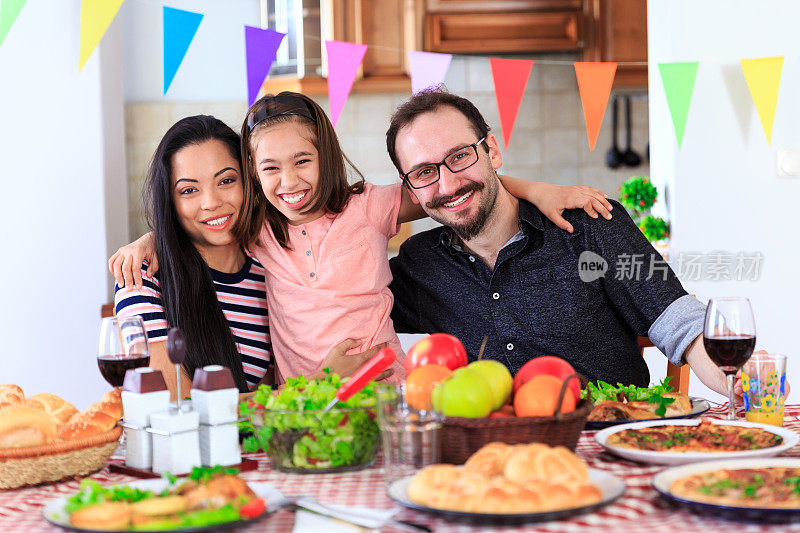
column 176, row 351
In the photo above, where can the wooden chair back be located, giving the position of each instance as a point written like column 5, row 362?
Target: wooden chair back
column 679, row 374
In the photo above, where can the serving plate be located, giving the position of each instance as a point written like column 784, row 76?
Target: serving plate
column 54, row 512
column 664, row 479
column 790, row 438
column 699, row 406
column 611, row 486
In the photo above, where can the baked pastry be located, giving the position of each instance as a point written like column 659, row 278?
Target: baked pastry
column 25, row 426
column 100, row 417
column 11, row 395
column 500, row 478
column 109, row 516
column 55, row 406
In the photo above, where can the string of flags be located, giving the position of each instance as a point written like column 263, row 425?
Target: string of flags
column 427, row 69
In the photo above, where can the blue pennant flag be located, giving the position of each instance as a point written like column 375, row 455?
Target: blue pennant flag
column 179, row 29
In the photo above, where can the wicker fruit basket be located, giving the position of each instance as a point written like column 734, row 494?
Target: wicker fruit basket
column 461, row 437
column 53, row 462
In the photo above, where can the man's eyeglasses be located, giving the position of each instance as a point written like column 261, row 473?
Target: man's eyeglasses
column 461, row 159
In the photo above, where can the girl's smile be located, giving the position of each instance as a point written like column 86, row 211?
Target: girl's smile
column 287, row 164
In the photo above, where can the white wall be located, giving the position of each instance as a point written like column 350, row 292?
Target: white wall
column 214, row 68
column 60, row 154
column 724, row 189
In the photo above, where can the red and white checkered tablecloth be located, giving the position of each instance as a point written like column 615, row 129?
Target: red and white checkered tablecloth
column 640, row 509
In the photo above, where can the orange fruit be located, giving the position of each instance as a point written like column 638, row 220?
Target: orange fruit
column 539, row 395
column 420, row 384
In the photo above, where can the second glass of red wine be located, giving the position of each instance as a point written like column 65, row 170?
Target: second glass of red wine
column 122, row 346
column 729, row 336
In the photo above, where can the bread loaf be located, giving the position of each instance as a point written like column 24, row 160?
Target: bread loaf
column 11, row 395
column 25, row 426
column 55, row 406
column 499, row 478
column 100, row 417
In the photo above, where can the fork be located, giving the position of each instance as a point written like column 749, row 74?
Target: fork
column 310, row 503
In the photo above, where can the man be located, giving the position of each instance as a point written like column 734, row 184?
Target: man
column 498, row 268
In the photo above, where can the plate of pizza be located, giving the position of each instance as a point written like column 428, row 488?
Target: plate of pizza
column 675, row 442
column 761, row 490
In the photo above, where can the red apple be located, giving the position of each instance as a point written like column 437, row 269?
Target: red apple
column 547, row 364
column 437, row 349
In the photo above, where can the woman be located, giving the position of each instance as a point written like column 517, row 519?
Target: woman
column 200, row 208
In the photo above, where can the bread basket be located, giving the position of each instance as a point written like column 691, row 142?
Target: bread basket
column 461, row 437
column 56, row 461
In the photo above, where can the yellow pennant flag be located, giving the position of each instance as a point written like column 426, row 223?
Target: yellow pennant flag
column 96, row 15
column 763, row 77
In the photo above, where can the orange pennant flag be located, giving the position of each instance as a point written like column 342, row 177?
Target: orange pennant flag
column 594, row 85
column 510, row 77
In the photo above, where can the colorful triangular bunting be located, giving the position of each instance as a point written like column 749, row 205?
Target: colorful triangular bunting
column 510, row 77
column 428, row 69
column 594, row 85
column 763, row 77
column 678, row 80
column 179, row 29
column 261, row 47
column 96, row 15
column 9, row 11
column 343, row 61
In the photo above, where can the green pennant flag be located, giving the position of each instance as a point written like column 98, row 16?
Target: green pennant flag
column 678, row 79
column 9, row 11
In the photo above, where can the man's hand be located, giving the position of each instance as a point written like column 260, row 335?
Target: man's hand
column 126, row 263
column 346, row 365
column 737, row 385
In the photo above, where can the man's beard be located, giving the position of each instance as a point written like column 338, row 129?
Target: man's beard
column 468, row 229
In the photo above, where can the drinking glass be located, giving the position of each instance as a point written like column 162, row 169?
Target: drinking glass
column 122, row 346
column 729, row 336
column 764, row 388
column 410, row 437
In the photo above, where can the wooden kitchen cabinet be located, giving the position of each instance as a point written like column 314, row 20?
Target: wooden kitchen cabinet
column 391, row 28
column 617, row 31
column 481, row 26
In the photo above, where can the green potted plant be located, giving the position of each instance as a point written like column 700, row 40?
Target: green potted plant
column 638, row 195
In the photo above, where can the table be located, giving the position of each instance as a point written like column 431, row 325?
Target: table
column 640, row 509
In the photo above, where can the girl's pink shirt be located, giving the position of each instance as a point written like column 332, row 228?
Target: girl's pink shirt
column 333, row 284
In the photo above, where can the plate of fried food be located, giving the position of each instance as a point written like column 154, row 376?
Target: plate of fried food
column 509, row 484
column 758, row 490
column 209, row 500
column 675, row 442
column 621, row 404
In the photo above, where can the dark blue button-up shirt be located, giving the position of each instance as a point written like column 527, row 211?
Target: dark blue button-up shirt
column 534, row 302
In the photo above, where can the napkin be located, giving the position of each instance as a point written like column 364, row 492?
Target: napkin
column 307, row 521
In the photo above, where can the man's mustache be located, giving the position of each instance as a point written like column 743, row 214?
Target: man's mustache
column 441, row 200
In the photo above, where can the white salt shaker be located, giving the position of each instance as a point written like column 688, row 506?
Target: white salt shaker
column 216, row 397
column 144, row 392
column 176, row 445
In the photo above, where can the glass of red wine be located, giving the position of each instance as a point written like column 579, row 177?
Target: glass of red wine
column 729, row 336
column 122, row 346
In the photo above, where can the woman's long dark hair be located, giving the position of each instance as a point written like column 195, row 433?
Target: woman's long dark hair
column 187, row 290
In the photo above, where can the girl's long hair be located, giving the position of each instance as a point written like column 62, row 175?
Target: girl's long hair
column 333, row 190
column 187, row 289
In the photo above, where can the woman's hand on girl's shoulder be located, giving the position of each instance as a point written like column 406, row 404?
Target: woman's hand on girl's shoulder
column 126, row 263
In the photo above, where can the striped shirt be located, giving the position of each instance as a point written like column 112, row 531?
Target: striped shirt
column 242, row 297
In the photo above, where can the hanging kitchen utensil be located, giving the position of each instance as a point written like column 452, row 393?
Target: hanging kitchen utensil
column 630, row 158
column 614, row 156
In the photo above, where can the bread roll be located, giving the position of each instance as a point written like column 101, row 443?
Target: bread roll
column 55, row 406
column 11, row 395
column 100, row 417
column 490, row 460
column 537, row 462
column 22, row 426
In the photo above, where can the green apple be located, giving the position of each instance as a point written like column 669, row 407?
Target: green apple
column 498, row 377
column 464, row 393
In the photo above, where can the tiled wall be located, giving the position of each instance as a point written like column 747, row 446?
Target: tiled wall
column 549, row 141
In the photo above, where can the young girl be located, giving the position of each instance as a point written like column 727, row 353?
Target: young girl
column 324, row 243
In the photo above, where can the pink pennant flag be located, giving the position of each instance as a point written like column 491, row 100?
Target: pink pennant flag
column 343, row 62
column 427, row 69
column 510, row 77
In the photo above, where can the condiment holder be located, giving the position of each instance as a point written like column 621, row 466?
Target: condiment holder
column 144, row 392
column 215, row 397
